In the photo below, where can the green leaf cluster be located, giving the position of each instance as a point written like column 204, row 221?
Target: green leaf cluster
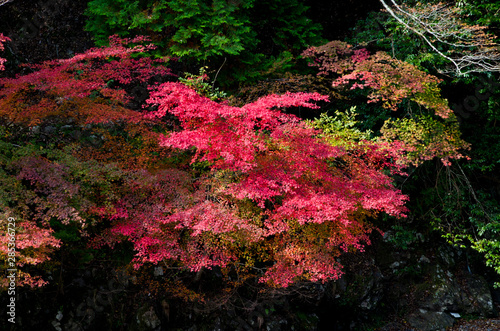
column 196, row 29
column 473, row 223
column 260, row 34
column 481, row 12
column 342, row 128
column 199, row 84
column 427, row 136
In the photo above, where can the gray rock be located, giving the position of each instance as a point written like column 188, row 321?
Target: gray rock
column 147, row 319
column 395, row 265
column 447, row 255
column 363, row 289
column 425, row 320
column 476, row 297
column 158, row 271
column 56, row 325
column 49, row 129
column 374, row 291
column 424, row 259
column 444, row 293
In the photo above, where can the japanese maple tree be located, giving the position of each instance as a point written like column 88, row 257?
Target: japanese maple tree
column 390, row 83
column 79, row 98
column 272, row 182
column 97, row 80
column 263, row 189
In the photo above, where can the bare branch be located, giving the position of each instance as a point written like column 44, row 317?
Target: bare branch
column 3, row 2
column 466, row 46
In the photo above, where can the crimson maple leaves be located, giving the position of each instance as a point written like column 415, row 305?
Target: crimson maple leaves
column 3, row 39
column 305, row 209
column 262, row 189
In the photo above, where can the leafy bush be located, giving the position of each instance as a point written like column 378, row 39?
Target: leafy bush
column 260, row 33
column 200, row 85
column 263, row 193
column 466, row 217
column 428, row 132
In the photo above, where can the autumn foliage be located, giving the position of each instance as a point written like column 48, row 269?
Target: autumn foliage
column 3, row 39
column 305, row 210
column 194, row 183
column 69, row 107
column 431, row 130
column 389, row 80
column 84, row 82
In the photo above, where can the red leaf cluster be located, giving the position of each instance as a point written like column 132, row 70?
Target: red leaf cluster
column 56, row 86
column 271, row 191
column 389, row 81
column 3, row 39
column 258, row 153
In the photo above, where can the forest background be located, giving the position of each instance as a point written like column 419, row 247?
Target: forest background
column 220, row 155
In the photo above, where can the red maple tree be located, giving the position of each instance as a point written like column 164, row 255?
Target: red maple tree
column 263, row 188
column 309, row 200
column 431, row 130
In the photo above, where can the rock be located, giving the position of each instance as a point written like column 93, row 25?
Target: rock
column 49, row 129
column 35, row 130
column 443, row 292
column 387, row 235
column 420, row 237
column 147, row 319
column 362, row 289
column 277, row 325
column 392, row 326
column 56, row 325
column 424, row 259
column 425, row 320
column 158, row 271
column 447, row 255
column 373, row 293
column 395, row 265
column 476, row 296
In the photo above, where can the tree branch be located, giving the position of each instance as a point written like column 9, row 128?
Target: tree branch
column 3, row 2
column 466, row 46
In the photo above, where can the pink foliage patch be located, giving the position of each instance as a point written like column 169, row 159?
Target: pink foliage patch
column 81, row 76
column 388, row 80
column 3, row 39
column 276, row 161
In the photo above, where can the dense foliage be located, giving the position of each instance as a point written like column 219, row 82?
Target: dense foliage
column 462, row 200
column 274, row 180
column 263, row 34
column 110, row 152
column 391, row 82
